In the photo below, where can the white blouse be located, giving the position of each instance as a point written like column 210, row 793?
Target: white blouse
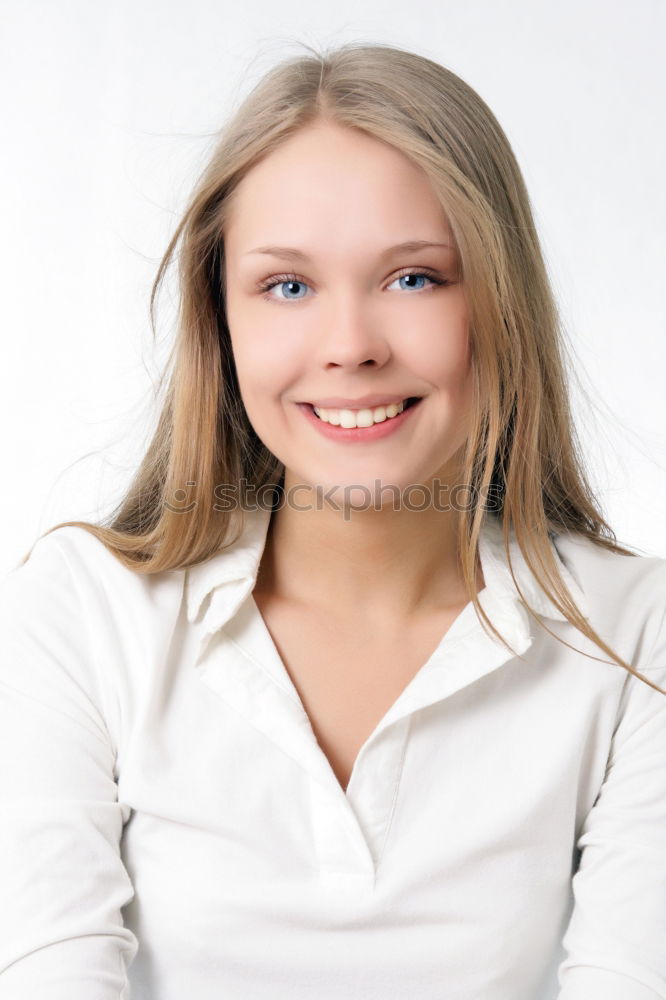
column 170, row 828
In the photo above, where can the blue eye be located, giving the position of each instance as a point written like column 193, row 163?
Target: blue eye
column 290, row 282
column 413, row 274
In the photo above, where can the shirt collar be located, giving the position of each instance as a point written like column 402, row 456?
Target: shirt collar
column 230, row 575
column 497, row 574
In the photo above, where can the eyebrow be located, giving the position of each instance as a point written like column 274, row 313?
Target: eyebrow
column 409, row 246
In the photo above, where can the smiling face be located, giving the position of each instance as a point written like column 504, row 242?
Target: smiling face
column 347, row 317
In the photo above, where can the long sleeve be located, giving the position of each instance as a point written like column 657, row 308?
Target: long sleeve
column 62, row 879
column 616, row 937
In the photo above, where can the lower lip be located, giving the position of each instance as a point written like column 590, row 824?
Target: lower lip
column 373, row 433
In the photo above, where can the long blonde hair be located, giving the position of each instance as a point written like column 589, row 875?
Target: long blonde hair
column 522, row 448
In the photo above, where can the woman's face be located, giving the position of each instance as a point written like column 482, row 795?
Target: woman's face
column 341, row 321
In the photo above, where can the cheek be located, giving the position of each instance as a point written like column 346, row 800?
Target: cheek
column 442, row 351
column 264, row 369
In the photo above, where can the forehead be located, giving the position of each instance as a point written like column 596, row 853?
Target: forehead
column 329, row 179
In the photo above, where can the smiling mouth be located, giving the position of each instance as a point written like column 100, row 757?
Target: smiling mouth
column 346, row 417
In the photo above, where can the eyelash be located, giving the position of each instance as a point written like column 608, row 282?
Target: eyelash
column 279, row 279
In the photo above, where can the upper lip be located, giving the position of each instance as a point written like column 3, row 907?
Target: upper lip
column 375, row 399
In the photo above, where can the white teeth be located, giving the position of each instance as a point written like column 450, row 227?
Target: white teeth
column 360, row 418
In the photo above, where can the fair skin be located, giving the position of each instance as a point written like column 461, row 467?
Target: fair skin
column 370, row 585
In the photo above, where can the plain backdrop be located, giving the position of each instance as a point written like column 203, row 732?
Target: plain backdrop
column 109, row 112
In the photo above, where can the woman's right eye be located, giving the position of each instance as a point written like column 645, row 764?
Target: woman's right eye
column 289, row 281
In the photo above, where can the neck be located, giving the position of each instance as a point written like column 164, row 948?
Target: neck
column 380, row 565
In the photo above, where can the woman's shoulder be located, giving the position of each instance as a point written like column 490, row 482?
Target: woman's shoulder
column 65, row 548
column 625, row 594
column 605, row 571
column 70, row 572
column 82, row 633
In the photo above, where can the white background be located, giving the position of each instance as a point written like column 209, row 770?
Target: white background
column 109, row 112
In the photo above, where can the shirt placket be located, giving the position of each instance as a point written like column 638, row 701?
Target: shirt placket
column 350, row 827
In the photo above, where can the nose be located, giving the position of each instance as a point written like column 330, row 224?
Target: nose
column 349, row 336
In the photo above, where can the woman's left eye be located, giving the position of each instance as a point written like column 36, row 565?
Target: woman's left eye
column 292, row 279
column 429, row 276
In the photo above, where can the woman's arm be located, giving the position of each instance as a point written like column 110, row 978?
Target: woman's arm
column 62, row 877
column 616, row 937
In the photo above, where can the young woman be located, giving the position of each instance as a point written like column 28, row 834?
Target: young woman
column 355, row 695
